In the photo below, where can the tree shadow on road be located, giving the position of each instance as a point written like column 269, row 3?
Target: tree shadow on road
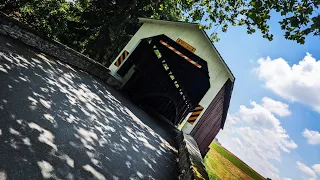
column 57, row 122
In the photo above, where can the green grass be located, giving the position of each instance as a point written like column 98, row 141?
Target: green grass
column 220, row 168
column 209, row 164
column 213, row 177
column 237, row 162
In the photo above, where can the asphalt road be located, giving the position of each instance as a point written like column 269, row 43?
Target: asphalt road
column 57, row 122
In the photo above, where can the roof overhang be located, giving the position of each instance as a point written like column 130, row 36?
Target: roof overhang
column 178, row 23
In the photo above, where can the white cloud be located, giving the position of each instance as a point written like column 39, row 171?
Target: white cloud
column 307, row 170
column 316, row 168
column 286, row 178
column 299, row 82
column 256, row 136
column 276, row 107
column 313, row 137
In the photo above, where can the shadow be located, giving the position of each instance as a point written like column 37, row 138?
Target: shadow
column 57, row 122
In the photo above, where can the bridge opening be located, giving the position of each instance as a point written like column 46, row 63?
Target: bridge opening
column 165, row 77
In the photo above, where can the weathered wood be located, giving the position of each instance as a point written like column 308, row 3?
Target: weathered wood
column 210, row 122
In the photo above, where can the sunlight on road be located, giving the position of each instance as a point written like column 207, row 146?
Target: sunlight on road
column 3, row 175
column 68, row 125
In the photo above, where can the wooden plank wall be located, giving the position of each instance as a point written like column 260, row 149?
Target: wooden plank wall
column 210, row 122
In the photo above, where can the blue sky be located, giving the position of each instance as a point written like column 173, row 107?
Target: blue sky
column 283, row 86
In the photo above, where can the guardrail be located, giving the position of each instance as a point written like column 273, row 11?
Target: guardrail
column 190, row 160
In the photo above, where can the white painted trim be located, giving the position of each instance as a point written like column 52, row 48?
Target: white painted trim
column 220, row 58
column 192, row 25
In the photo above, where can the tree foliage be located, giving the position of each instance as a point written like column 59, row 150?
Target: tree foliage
column 299, row 17
column 97, row 28
column 101, row 28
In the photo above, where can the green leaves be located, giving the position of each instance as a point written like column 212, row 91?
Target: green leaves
column 300, row 18
column 161, row 7
column 197, row 15
column 252, row 3
column 97, row 28
column 225, row 28
column 101, row 28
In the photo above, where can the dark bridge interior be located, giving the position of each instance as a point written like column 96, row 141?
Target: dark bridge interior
column 163, row 80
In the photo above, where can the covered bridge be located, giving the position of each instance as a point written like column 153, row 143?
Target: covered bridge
column 174, row 70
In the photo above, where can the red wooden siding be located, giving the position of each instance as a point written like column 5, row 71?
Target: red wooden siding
column 212, row 119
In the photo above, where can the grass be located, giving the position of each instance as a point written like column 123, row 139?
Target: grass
column 209, row 163
column 222, row 164
column 182, row 124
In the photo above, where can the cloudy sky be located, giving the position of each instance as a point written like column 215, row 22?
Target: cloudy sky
column 274, row 116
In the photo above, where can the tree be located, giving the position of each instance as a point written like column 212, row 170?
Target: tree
column 9, row 6
column 97, row 28
column 114, row 23
column 101, row 28
column 48, row 17
column 300, row 17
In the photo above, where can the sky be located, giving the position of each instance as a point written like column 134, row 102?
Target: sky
column 274, row 117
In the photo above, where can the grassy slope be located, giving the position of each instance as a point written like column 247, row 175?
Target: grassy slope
column 213, row 155
column 210, row 164
column 219, row 167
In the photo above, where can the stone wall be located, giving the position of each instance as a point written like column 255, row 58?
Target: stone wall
column 190, row 160
column 17, row 30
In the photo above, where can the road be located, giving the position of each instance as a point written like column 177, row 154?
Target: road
column 58, row 122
